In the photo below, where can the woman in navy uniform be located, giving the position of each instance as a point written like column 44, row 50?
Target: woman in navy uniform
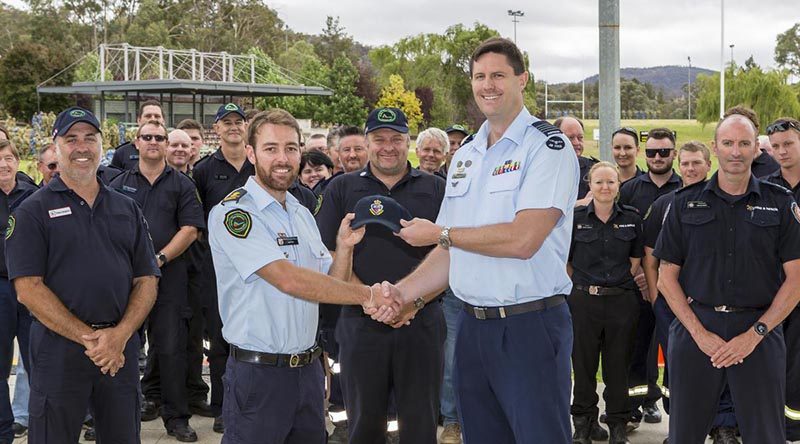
column 607, row 246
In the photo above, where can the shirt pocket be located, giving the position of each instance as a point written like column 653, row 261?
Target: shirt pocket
column 503, row 182
column 764, row 228
column 700, row 227
column 625, row 234
column 322, row 257
column 457, row 188
column 586, row 236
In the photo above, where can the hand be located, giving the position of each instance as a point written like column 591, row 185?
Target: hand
column 107, row 352
column 407, row 313
column 708, row 342
column 641, row 282
column 585, row 201
column 347, row 237
column 384, row 302
column 734, row 351
column 419, row 232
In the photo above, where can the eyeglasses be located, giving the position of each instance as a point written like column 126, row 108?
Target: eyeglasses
column 781, row 126
column 626, row 130
column 663, row 152
column 150, row 137
column 52, row 166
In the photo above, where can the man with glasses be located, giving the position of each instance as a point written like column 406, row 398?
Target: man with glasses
column 625, row 149
column 125, row 155
column 47, row 164
column 174, row 215
column 784, row 135
column 640, row 193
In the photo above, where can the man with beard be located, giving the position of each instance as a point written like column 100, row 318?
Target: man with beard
column 269, row 261
column 126, row 156
column 377, row 360
column 170, row 205
column 83, row 263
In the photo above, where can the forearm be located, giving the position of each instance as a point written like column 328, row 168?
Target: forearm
column 342, row 266
column 429, row 279
column 520, row 239
column 650, row 267
column 180, row 242
column 49, row 310
column 140, row 302
column 669, row 286
column 312, row 286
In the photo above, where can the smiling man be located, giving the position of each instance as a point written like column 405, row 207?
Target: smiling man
column 179, row 150
column 431, row 148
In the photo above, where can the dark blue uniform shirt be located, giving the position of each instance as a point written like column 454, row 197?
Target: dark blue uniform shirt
column 126, row 156
column 88, row 256
column 654, row 219
column 215, row 178
column 600, row 252
column 764, row 165
column 380, row 255
column 585, row 164
column 170, row 203
column 641, row 192
column 778, row 179
column 9, row 202
column 731, row 248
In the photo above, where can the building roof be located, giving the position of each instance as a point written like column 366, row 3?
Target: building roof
column 186, row 87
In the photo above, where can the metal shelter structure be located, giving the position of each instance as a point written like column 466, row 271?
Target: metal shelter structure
column 135, row 73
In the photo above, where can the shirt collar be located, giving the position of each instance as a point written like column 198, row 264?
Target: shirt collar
column 56, row 184
column 673, row 178
column 515, row 132
column 410, row 172
column 263, row 199
column 713, row 185
column 614, row 211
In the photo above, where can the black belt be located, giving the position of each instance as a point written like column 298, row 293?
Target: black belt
column 725, row 308
column 511, row 310
column 276, row 359
column 101, row 325
column 596, row 290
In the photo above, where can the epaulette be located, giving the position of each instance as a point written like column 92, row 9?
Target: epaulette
column 123, row 144
column 467, row 139
column 202, row 159
column 631, row 208
column 594, row 159
column 546, row 128
column 234, row 195
column 690, row 187
column 778, row 186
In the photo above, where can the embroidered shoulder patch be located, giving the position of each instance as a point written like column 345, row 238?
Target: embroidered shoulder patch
column 12, row 223
column 238, row 223
column 235, row 195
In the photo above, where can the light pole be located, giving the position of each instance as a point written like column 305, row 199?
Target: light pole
column 722, row 60
column 731, row 46
column 689, row 78
column 515, row 18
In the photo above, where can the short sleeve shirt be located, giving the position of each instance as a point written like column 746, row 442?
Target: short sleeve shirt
column 641, row 192
column 654, row 219
column 764, row 165
column 527, row 168
column 247, row 231
column 215, row 178
column 126, row 156
column 88, row 256
column 8, row 202
column 731, row 249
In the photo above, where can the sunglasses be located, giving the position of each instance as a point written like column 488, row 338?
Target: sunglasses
column 663, row 152
column 626, row 130
column 150, row 137
column 52, row 166
column 781, row 126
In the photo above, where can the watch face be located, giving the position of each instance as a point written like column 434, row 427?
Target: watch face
column 761, row 328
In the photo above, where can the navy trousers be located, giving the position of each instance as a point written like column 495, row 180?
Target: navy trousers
column 15, row 321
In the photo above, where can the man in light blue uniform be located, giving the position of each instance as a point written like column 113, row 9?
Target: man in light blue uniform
column 503, row 233
column 270, row 264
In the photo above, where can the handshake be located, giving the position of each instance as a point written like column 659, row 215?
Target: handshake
column 386, row 304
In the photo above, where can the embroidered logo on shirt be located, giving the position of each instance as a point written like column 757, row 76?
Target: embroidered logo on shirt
column 795, row 211
column 507, row 167
column 60, row 212
column 376, row 209
column 12, row 223
column 555, row 143
column 752, row 208
column 238, row 223
column 616, row 227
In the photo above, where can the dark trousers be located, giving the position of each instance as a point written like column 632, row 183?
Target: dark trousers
column 167, row 328
column 329, row 314
column 273, row 405
column 64, row 382
column 513, row 378
column 15, row 322
column 607, row 325
column 758, row 385
column 218, row 349
column 196, row 388
column 791, row 332
column 643, row 372
column 377, row 360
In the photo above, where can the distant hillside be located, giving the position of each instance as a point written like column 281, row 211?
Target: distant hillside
column 669, row 79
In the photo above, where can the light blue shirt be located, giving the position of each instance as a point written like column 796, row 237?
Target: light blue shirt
column 256, row 315
column 490, row 185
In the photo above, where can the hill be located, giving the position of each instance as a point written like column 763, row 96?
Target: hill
column 669, row 79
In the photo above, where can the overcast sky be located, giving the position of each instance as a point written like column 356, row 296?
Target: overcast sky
column 562, row 36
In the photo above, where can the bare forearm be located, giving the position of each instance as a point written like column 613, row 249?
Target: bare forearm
column 312, row 286
column 342, row 266
column 669, row 286
column 650, row 267
column 520, row 239
column 143, row 296
column 49, row 310
column 180, row 242
column 429, row 279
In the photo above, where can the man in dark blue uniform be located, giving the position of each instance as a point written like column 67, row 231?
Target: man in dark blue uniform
column 763, row 164
column 83, row 263
column 640, row 193
column 572, row 127
column 377, row 360
column 15, row 321
column 784, row 135
column 174, row 215
column 126, row 156
column 725, row 248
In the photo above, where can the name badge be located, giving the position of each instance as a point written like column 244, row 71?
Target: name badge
column 60, row 212
column 221, row 177
column 134, row 157
column 128, row 189
column 696, row 204
column 287, row 240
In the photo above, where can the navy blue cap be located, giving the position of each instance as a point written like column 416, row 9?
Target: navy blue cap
column 392, row 118
column 377, row 209
column 457, row 128
column 228, row 108
column 71, row 116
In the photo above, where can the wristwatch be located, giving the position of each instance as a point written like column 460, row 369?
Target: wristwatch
column 761, row 328
column 419, row 303
column 162, row 257
column 444, row 238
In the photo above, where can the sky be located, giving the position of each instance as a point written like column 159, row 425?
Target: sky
column 562, row 38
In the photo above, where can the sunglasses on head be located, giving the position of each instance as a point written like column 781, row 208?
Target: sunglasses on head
column 626, row 130
column 663, row 152
column 781, row 126
column 52, row 166
column 150, row 137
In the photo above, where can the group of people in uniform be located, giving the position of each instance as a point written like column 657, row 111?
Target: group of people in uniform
column 470, row 291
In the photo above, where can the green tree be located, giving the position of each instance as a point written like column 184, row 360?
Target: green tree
column 344, row 107
column 787, row 49
column 396, row 95
column 21, row 69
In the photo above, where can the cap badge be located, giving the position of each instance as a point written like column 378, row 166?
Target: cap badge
column 77, row 113
column 387, row 115
column 376, row 209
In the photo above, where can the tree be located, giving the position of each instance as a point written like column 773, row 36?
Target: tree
column 425, row 96
column 787, row 49
column 21, row 69
column 334, row 41
column 396, row 95
column 344, row 107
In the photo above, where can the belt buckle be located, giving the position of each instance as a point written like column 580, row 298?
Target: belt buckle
column 480, row 312
column 594, row 290
column 294, row 361
column 722, row 309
